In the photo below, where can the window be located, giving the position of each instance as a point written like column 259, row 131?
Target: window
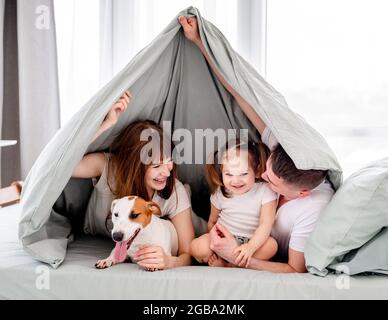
column 78, row 46
column 329, row 59
column 96, row 39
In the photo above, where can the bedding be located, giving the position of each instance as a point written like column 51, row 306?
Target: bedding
column 170, row 81
column 23, row 277
column 357, row 212
column 372, row 257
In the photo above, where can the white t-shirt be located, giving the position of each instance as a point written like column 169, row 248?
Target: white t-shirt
column 240, row 213
column 296, row 219
column 176, row 203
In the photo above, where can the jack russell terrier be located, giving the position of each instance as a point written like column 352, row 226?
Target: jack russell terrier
column 137, row 222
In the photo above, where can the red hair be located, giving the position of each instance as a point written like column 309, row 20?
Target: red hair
column 126, row 166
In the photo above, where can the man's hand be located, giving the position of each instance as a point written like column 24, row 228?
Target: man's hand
column 223, row 243
column 190, row 28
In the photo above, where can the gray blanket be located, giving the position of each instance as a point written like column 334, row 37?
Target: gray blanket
column 170, row 80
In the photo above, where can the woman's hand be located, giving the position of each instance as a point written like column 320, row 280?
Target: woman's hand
column 190, row 28
column 245, row 253
column 114, row 113
column 117, row 109
column 152, row 258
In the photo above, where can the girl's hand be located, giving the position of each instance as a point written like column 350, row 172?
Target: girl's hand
column 190, row 28
column 152, row 258
column 118, row 108
column 246, row 252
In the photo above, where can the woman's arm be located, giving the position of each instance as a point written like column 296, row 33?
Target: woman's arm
column 185, row 230
column 214, row 214
column 92, row 165
column 190, row 28
column 154, row 257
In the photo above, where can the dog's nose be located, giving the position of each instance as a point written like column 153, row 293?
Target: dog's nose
column 118, row 236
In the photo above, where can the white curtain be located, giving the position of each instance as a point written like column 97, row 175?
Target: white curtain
column 30, row 95
column 91, row 53
column 252, row 31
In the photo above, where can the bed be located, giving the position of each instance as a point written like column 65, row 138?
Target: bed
column 22, row 277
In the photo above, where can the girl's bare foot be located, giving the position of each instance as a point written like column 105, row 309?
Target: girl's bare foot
column 216, row 261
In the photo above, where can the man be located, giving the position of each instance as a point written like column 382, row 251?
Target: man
column 303, row 193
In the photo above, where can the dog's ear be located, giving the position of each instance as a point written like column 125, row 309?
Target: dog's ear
column 154, row 208
column 108, row 219
column 109, row 216
column 112, row 206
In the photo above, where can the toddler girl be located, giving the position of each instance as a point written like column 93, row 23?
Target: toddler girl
column 241, row 204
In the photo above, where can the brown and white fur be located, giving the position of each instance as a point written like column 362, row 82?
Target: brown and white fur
column 137, row 222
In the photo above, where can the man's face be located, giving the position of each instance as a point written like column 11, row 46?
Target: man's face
column 279, row 185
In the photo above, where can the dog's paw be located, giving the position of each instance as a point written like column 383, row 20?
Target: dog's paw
column 103, row 264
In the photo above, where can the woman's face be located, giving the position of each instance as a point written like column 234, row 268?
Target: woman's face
column 157, row 174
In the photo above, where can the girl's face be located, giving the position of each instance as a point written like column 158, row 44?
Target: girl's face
column 156, row 176
column 237, row 174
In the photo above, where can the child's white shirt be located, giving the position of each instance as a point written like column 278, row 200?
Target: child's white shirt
column 240, row 214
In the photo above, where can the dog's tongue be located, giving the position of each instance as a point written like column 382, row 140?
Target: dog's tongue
column 120, row 253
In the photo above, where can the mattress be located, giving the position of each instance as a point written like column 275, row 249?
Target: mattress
column 22, row 277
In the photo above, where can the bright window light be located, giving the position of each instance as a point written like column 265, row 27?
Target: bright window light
column 78, row 26
column 329, row 59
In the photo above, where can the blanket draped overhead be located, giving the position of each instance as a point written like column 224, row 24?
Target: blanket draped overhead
column 170, row 81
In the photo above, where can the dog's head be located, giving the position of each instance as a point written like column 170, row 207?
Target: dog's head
column 129, row 215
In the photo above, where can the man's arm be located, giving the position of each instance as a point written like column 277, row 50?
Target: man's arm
column 245, row 106
column 296, row 263
column 223, row 243
column 251, row 114
column 190, row 28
